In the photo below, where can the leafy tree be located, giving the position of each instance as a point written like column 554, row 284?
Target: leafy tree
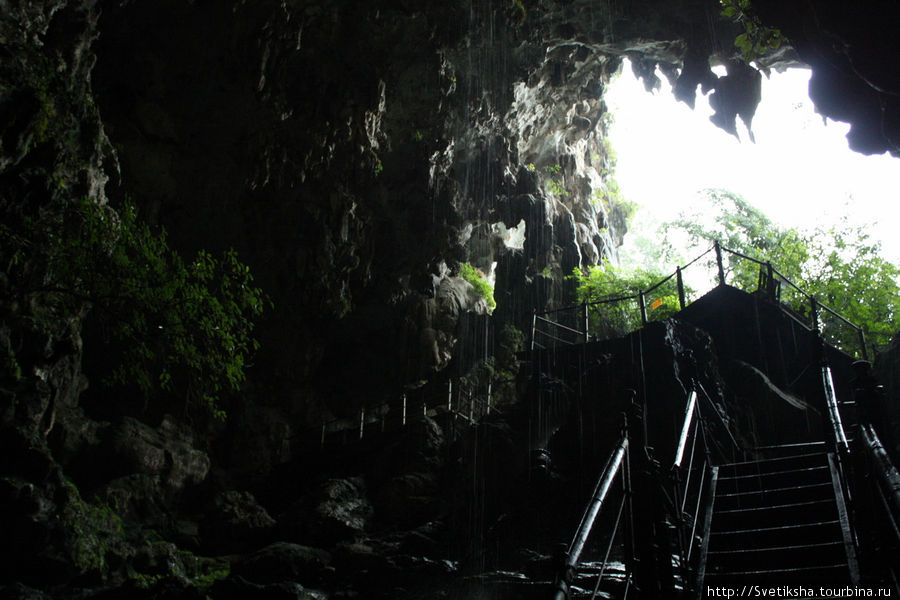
column 180, row 327
column 739, row 226
column 841, row 266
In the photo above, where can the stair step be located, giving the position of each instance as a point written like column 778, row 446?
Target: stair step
column 791, row 449
column 795, row 556
column 778, row 463
column 729, row 484
column 773, row 496
column 767, row 475
column 742, row 537
column 836, row 573
column 796, row 513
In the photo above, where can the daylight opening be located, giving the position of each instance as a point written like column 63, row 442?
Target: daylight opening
column 799, row 172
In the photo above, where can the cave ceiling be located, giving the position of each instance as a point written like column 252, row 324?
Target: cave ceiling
column 356, row 154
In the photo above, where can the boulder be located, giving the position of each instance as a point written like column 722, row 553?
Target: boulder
column 284, row 562
column 235, row 522
column 408, row 500
column 238, row 588
column 337, row 510
column 166, row 452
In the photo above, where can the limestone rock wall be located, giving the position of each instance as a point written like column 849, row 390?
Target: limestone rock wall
column 355, row 155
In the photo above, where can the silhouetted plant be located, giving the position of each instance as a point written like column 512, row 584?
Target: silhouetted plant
column 179, row 327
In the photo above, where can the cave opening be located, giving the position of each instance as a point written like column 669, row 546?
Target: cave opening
column 798, row 170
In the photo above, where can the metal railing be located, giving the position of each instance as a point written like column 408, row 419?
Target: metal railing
column 622, row 313
column 887, row 480
column 687, row 491
column 462, row 402
column 692, row 476
column 617, row 465
column 883, row 485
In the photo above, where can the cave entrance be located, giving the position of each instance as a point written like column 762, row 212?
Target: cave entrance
column 799, row 171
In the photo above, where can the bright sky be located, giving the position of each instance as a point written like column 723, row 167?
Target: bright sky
column 799, row 172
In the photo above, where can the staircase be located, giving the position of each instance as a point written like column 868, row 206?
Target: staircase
column 779, row 521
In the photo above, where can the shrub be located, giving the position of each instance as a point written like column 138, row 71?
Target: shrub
column 479, row 282
column 175, row 326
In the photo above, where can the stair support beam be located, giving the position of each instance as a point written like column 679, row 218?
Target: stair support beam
column 707, row 527
column 844, row 517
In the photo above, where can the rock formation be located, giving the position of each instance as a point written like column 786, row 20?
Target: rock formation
column 355, row 155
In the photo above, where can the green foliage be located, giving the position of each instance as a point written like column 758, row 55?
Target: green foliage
column 553, row 185
column 94, row 532
column 605, row 282
column 610, row 195
column 520, row 8
column 555, row 188
column 479, row 283
column 846, row 273
column 740, row 226
column 757, row 39
column 180, row 327
column 182, row 565
column 840, row 266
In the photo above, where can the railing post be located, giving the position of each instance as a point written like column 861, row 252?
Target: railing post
column 533, row 327
column 629, row 525
column 719, row 263
column 322, row 439
column 489, row 398
column 643, row 306
column 862, row 343
column 362, row 421
column 403, row 413
column 770, row 281
column 680, row 281
column 814, row 313
column 584, row 316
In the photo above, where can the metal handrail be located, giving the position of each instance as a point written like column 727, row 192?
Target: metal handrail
column 560, row 325
column 887, row 475
column 834, row 414
column 771, row 271
column 402, row 411
column 612, row 539
column 687, row 529
column 685, row 427
column 614, row 463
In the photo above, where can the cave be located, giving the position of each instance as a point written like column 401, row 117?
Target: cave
column 409, row 184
